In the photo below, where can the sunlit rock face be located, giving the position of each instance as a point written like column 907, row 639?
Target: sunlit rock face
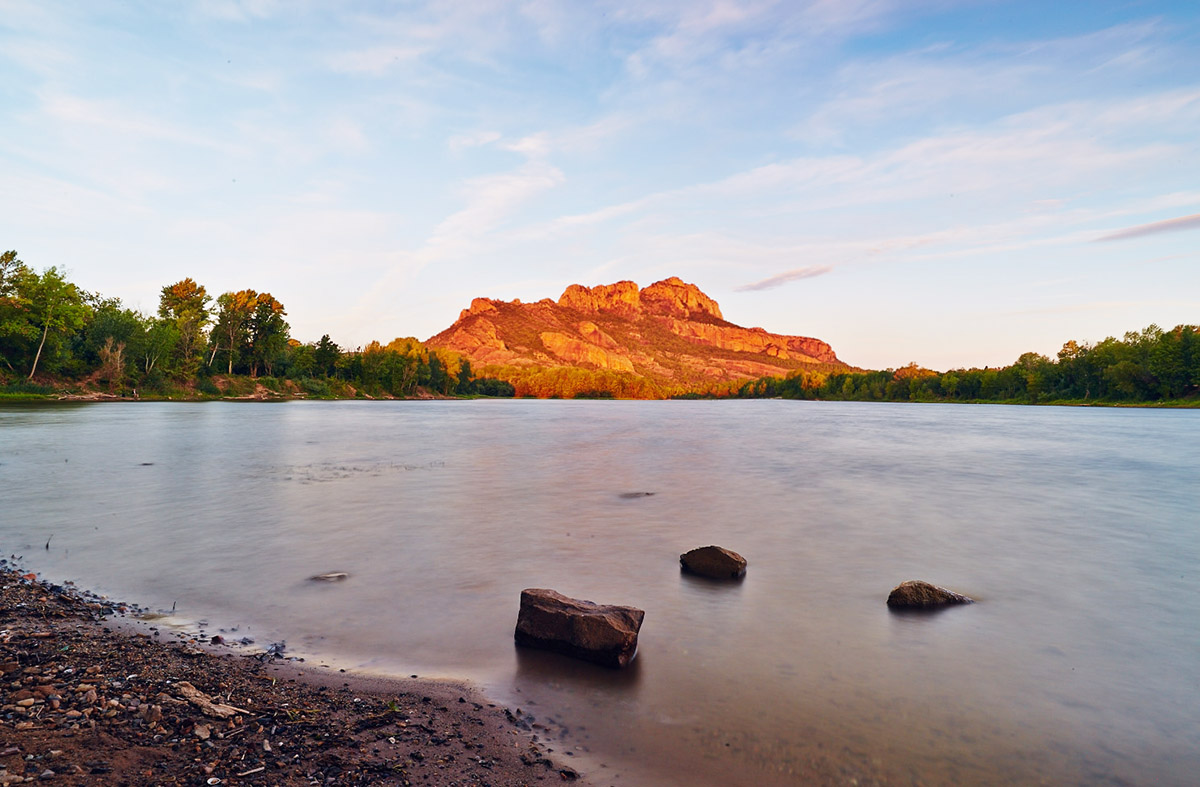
column 670, row 333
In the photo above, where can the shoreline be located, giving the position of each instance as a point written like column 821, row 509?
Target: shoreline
column 89, row 695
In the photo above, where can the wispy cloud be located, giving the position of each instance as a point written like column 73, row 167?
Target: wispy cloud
column 238, row 10
column 122, row 120
column 781, row 279
column 374, row 60
column 1155, row 228
column 474, row 139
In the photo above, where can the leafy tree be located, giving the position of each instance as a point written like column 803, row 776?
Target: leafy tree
column 267, row 333
column 17, row 331
column 438, row 379
column 465, row 378
column 57, row 310
column 186, row 304
column 325, row 356
column 234, row 312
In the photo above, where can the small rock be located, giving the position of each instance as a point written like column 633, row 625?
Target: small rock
column 915, row 594
column 714, row 562
column 332, row 576
column 202, row 731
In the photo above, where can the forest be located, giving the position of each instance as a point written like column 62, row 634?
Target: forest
column 1150, row 366
column 54, row 336
column 53, row 333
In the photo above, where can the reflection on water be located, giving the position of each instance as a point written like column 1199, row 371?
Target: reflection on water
column 1076, row 530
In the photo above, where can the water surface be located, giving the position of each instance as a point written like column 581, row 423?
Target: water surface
column 1076, row 529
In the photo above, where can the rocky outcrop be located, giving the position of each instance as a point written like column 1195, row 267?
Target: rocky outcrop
column 621, row 298
column 578, row 351
column 674, row 298
column 713, row 562
column 753, row 340
column 603, row 634
column 669, row 333
column 915, row 594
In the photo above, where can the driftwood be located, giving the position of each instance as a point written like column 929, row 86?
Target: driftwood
column 205, row 703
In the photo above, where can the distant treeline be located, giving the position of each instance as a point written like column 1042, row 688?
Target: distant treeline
column 1151, row 366
column 51, row 332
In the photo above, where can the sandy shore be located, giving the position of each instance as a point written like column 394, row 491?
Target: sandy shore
column 87, row 699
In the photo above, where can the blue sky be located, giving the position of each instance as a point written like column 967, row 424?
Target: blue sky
column 950, row 183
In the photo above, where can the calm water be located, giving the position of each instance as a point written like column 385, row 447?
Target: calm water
column 1076, row 528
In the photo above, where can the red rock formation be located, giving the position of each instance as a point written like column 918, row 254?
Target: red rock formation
column 669, row 332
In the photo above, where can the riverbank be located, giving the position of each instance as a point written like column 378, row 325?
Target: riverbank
column 88, row 697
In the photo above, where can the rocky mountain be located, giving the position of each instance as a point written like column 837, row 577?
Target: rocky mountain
column 669, row 333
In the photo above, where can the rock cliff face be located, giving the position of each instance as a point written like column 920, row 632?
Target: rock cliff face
column 669, row 332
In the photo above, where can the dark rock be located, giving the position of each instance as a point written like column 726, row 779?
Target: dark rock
column 604, row 634
column 916, row 594
column 714, row 562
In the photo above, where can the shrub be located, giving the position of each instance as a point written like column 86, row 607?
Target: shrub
column 27, row 387
column 315, row 387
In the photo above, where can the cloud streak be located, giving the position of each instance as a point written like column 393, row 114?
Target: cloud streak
column 781, row 279
column 1179, row 224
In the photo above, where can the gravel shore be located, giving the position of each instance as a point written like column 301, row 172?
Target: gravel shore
column 86, row 701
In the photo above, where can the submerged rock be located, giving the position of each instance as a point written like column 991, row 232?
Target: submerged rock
column 915, row 594
column 601, row 633
column 714, row 562
column 332, row 576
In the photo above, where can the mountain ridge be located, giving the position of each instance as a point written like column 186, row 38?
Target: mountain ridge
column 670, row 333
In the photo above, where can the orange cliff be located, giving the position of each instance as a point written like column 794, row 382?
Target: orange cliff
column 669, row 333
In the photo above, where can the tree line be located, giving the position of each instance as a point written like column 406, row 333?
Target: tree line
column 1148, row 366
column 52, row 330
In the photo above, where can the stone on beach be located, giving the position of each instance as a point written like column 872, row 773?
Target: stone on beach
column 602, row 633
column 714, row 562
column 915, row 594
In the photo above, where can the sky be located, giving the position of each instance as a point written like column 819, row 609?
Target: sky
column 945, row 182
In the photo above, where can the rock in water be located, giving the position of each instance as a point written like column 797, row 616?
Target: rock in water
column 331, row 576
column 915, row 594
column 602, row 633
column 714, row 562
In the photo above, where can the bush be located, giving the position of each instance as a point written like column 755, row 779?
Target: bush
column 594, row 395
column 206, row 386
column 490, row 386
column 315, row 387
column 28, row 388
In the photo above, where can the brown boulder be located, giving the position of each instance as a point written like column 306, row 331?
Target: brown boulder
column 602, row 633
column 915, row 594
column 714, row 562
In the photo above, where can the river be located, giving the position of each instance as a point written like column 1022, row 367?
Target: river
column 1077, row 529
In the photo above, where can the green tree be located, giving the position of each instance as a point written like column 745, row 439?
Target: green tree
column 267, row 333
column 234, row 311
column 17, row 331
column 325, row 356
column 186, row 304
column 465, row 378
column 438, row 379
column 57, row 310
